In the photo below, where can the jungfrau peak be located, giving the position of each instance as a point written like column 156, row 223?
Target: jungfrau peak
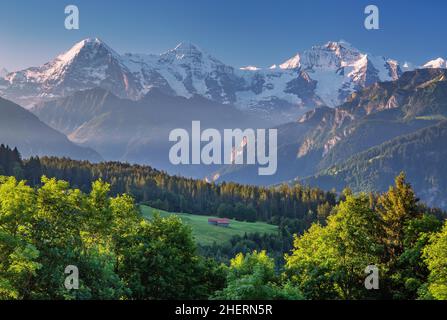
column 185, row 50
column 341, row 69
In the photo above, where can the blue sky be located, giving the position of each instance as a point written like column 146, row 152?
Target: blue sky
column 239, row 32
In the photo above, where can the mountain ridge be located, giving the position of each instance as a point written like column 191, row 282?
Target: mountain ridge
column 138, row 131
column 323, row 75
column 22, row 129
column 419, row 154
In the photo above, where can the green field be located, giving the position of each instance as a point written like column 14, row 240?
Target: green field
column 206, row 234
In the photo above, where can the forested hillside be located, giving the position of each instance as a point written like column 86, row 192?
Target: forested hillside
column 374, row 169
column 293, row 210
column 173, row 193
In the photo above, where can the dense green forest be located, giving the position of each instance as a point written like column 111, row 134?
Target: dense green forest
column 47, row 224
column 293, row 209
column 178, row 194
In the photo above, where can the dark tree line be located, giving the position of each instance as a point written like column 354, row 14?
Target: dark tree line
column 178, row 194
column 173, row 193
column 10, row 161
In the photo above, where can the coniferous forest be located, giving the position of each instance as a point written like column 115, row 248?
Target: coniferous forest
column 56, row 213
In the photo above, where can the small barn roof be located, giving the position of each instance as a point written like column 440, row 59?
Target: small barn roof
column 219, row 220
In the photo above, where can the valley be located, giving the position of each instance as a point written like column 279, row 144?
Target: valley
column 206, row 234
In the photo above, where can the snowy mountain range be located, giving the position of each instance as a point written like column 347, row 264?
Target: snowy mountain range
column 322, row 75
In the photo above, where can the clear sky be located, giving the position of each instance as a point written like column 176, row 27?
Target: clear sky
column 239, row 32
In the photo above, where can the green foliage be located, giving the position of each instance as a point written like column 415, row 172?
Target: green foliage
column 435, row 255
column 329, row 262
column 18, row 257
column 160, row 262
column 410, row 271
column 404, row 227
column 275, row 244
column 396, row 208
column 253, row 277
column 119, row 254
column 389, row 232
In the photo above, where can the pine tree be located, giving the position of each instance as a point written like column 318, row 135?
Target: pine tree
column 396, row 207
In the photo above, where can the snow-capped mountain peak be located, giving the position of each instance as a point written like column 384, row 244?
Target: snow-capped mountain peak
column 436, row 63
column 89, row 44
column 184, row 51
column 186, row 48
column 339, row 69
column 82, row 53
column 292, row 63
column 89, row 63
column 333, row 54
column 340, row 45
column 185, row 70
